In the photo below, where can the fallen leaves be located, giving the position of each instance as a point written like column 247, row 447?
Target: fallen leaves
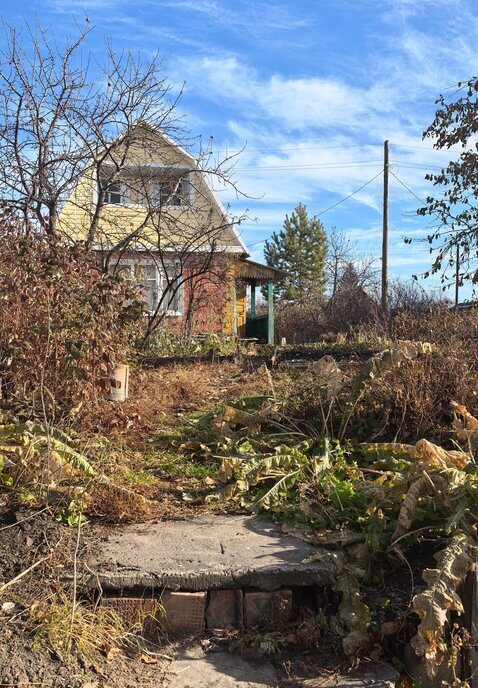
column 112, row 652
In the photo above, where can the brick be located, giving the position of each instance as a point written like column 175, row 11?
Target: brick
column 133, row 610
column 224, row 609
column 267, row 609
column 129, row 608
column 185, row 612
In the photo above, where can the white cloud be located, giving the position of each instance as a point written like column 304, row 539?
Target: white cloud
column 298, row 103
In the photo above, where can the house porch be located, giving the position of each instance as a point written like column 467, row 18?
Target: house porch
column 248, row 276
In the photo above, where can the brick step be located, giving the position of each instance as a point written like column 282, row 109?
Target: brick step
column 191, row 613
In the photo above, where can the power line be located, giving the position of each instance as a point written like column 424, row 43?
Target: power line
column 408, row 188
column 295, row 148
column 435, row 150
column 314, row 148
column 326, row 210
column 313, row 166
column 416, row 165
column 339, row 165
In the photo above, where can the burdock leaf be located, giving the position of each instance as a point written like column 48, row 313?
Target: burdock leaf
column 440, row 597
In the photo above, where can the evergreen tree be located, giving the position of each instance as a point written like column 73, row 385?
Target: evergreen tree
column 300, row 248
column 350, row 280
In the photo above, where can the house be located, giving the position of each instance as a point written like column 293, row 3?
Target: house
column 148, row 209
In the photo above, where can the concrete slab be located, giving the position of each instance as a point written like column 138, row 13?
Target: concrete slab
column 205, row 553
column 197, row 669
column 375, row 676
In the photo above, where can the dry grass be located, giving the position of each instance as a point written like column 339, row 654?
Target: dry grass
column 82, row 631
column 165, row 393
column 126, row 440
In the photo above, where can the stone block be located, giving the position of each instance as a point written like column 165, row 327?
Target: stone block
column 224, row 609
column 267, row 609
column 184, row 612
column 205, row 553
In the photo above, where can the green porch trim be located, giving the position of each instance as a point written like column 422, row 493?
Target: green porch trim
column 270, row 311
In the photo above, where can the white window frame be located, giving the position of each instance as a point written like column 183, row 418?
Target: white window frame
column 187, row 190
column 160, row 283
column 125, row 192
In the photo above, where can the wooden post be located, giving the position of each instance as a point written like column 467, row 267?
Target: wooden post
column 385, row 229
column 253, row 299
column 270, row 312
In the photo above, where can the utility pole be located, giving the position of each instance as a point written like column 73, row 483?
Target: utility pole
column 457, row 276
column 385, row 229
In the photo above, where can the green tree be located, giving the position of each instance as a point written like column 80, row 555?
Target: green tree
column 300, row 249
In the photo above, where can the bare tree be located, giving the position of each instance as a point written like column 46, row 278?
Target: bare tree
column 341, row 250
column 80, row 145
column 409, row 296
column 356, row 297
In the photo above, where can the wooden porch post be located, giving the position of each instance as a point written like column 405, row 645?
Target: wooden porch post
column 253, row 299
column 234, row 306
column 270, row 312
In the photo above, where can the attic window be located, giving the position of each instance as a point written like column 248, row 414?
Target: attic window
column 115, row 194
column 173, row 192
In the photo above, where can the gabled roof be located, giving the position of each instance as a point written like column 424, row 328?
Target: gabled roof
column 213, row 195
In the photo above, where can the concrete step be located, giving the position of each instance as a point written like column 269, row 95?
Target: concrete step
column 209, row 572
column 205, row 553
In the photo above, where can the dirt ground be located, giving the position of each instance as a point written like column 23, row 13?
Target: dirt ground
column 160, row 403
column 166, row 395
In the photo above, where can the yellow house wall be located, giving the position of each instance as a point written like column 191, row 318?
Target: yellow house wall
column 240, row 304
column 118, row 221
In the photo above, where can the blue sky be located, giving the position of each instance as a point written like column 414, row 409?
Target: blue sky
column 311, row 88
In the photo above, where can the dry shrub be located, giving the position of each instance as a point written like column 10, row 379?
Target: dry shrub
column 314, row 320
column 441, row 325
column 62, row 323
column 437, row 323
column 351, row 307
column 413, row 400
column 299, row 322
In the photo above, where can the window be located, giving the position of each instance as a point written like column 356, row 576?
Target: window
column 172, row 192
column 150, row 280
column 154, row 283
column 165, row 189
column 173, row 296
column 116, row 193
column 113, row 194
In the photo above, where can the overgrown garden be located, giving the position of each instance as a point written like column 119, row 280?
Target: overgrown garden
column 359, row 435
